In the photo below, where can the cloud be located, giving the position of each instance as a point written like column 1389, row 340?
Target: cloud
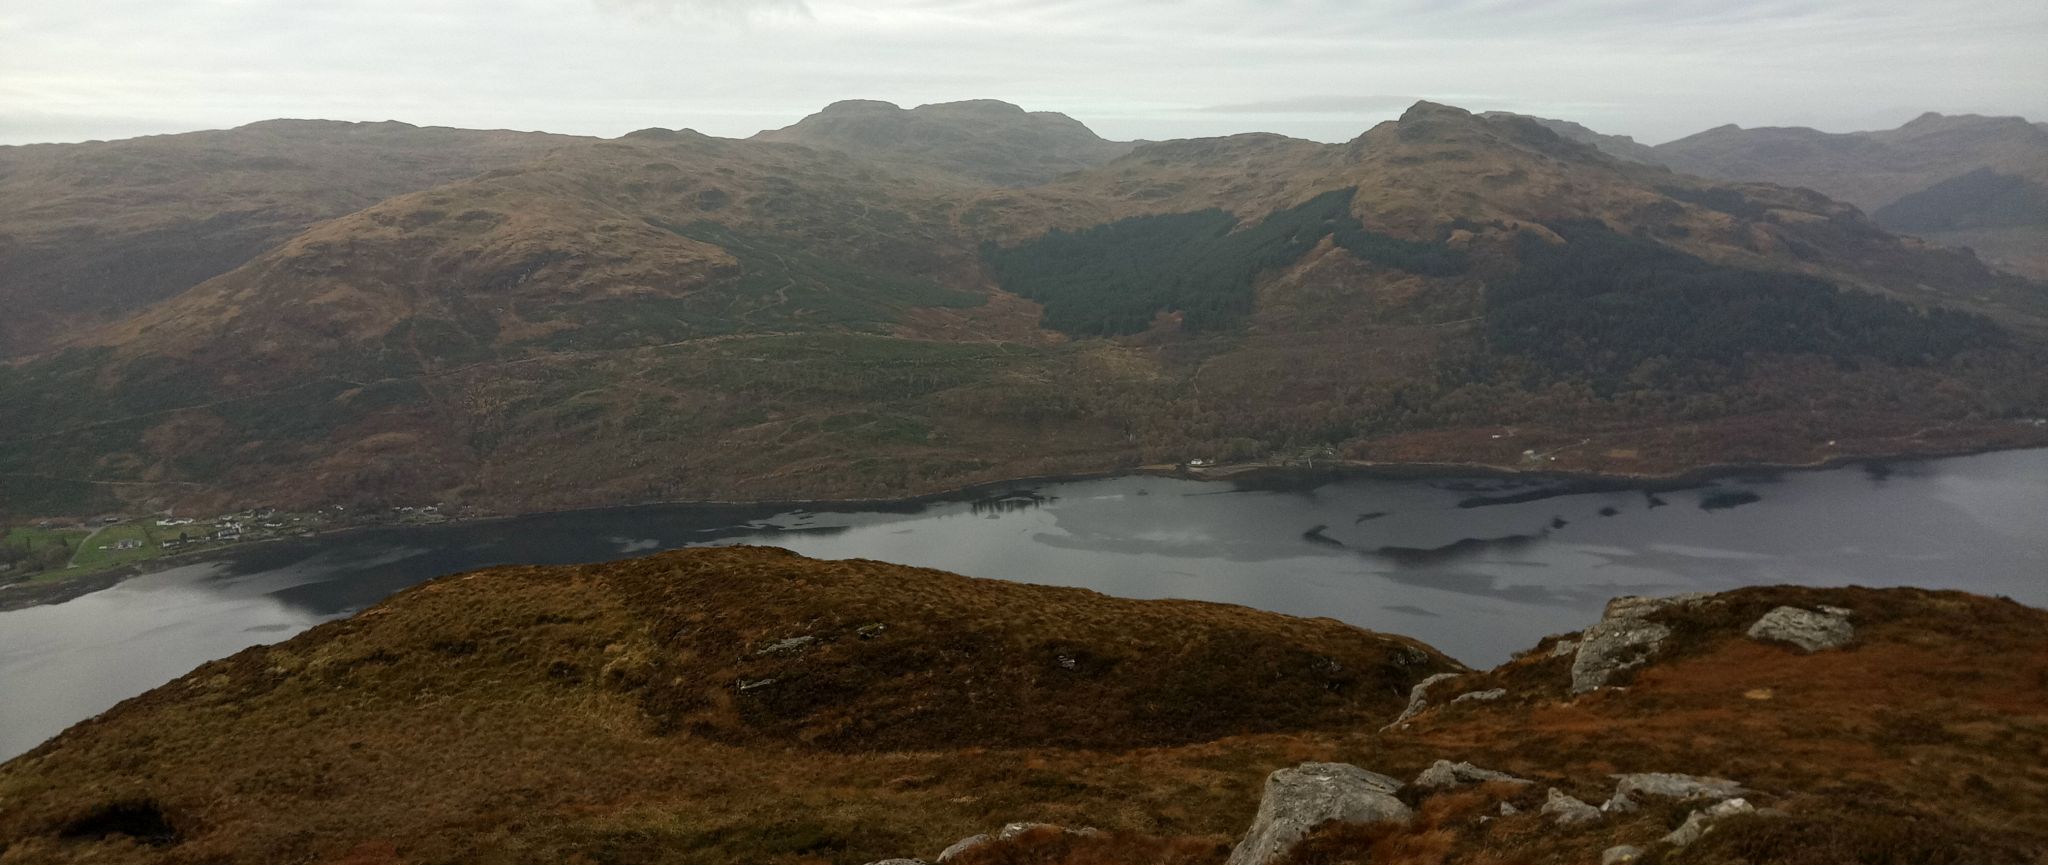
column 1327, row 104
column 1324, row 69
column 701, row 9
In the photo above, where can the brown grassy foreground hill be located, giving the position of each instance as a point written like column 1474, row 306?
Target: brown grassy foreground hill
column 750, row 705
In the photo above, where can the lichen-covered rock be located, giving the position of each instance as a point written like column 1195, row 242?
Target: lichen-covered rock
column 1704, row 819
column 1563, row 648
column 1418, row 698
column 1674, row 786
column 1299, row 799
column 1566, row 810
column 1614, row 645
column 1444, row 773
column 1809, row 630
column 1623, row 638
column 1486, row 696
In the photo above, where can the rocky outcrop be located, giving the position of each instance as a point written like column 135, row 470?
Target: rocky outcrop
column 1704, row 819
column 899, row 862
column 1623, row 638
column 1418, row 699
column 1444, row 774
column 1299, row 799
column 1566, row 810
column 1813, row 631
column 1486, row 696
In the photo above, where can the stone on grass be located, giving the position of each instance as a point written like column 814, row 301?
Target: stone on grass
column 1418, row 699
column 787, row 646
column 963, row 845
column 1486, row 696
column 899, row 862
column 1299, row 799
column 1568, row 811
column 1704, row 819
column 1621, row 854
column 1674, row 786
column 1804, row 628
column 1444, row 773
column 1619, row 803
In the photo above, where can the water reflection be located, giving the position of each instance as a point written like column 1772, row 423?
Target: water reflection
column 1477, row 567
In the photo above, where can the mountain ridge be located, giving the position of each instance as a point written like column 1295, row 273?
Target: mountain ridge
column 815, row 324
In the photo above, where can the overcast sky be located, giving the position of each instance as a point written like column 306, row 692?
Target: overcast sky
column 1327, row 69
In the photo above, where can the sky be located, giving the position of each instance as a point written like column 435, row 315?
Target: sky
column 73, row 70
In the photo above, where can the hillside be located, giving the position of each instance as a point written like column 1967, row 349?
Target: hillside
column 1617, row 146
column 1897, row 174
column 982, row 140
column 92, row 232
column 674, row 316
column 750, row 705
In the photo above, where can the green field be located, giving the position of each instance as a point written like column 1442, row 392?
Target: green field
column 82, row 548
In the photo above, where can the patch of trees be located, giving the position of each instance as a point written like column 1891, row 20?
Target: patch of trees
column 1115, row 278
column 1611, row 306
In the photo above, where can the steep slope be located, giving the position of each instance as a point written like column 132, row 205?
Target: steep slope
column 91, row 232
column 750, row 705
column 671, row 316
column 984, row 140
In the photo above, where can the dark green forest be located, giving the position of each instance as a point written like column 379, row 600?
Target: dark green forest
column 1607, row 305
column 1113, row 279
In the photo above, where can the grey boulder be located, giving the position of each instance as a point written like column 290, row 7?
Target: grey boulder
column 1486, row 696
column 1809, row 630
column 1299, row 799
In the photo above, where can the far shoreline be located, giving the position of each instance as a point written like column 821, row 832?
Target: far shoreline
column 1255, row 473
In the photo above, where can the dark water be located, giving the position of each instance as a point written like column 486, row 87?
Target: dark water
column 1479, row 568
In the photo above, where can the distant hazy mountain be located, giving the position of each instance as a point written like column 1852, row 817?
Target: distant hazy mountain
column 1964, row 180
column 983, row 139
column 1867, row 169
column 670, row 315
column 90, row 232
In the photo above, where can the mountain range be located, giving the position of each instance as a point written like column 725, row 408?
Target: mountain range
column 879, row 302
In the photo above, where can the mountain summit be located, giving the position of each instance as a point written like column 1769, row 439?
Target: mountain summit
column 984, row 140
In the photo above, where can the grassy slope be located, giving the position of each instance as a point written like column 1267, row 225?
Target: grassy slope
column 592, row 714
